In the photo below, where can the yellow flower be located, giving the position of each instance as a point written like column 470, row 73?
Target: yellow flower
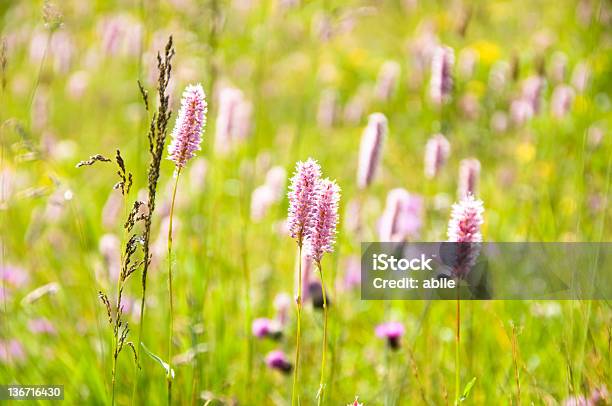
column 487, row 51
column 567, row 205
column 525, row 152
column 545, row 169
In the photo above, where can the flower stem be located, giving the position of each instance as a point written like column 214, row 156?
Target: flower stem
column 295, row 390
column 171, row 315
column 322, row 380
column 457, row 343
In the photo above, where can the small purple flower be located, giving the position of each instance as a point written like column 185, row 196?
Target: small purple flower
column 441, row 84
column 392, row 331
column 302, row 195
column 469, row 176
column 263, row 327
column 325, row 220
column 402, row 217
column 278, row 360
column 437, row 151
column 372, row 142
column 187, row 132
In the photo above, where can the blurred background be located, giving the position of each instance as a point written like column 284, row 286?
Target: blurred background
column 287, row 80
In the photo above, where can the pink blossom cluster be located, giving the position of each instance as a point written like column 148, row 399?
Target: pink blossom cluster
column 187, row 132
column 441, row 84
column 370, row 150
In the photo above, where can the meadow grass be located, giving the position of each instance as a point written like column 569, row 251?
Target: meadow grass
column 546, row 180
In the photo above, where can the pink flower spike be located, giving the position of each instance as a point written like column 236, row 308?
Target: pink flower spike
column 441, row 84
column 370, row 150
column 302, row 195
column 469, row 176
column 323, row 234
column 466, row 220
column 187, row 132
column 437, row 152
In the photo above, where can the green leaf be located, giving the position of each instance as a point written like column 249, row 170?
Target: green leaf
column 467, row 389
column 169, row 371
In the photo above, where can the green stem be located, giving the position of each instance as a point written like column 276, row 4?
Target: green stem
column 118, row 305
column 322, row 380
column 295, row 390
column 457, row 343
column 171, row 315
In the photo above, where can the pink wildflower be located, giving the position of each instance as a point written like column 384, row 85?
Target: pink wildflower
column 441, row 84
column 187, row 133
column 302, row 195
column 466, row 220
column 392, row 331
column 263, row 327
column 325, row 221
column 278, row 360
column 372, row 142
column 469, row 175
column 437, row 152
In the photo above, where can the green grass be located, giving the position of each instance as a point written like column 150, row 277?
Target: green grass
column 538, row 183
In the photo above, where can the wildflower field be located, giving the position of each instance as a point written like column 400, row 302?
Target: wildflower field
column 185, row 186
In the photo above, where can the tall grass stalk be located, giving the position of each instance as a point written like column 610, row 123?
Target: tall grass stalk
column 324, row 350
column 295, row 388
column 157, row 140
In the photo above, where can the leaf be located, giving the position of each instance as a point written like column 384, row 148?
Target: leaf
column 160, row 361
column 467, row 389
